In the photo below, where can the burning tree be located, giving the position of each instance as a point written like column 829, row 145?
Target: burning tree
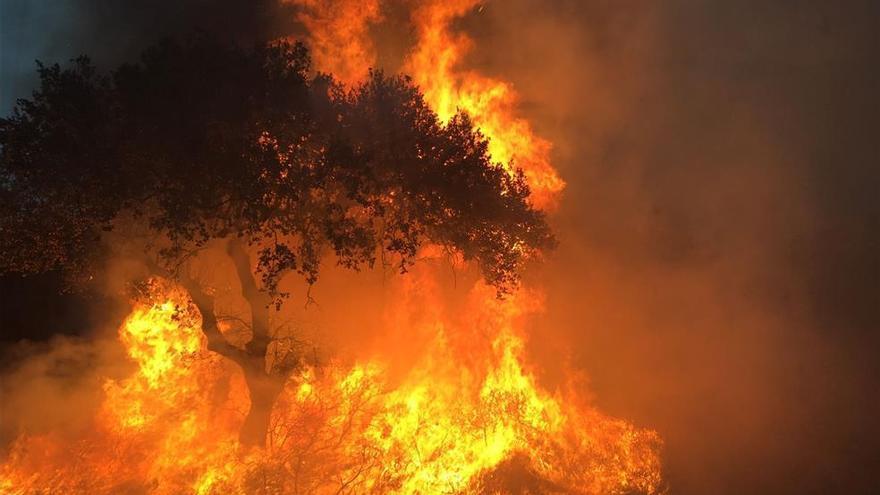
column 200, row 142
column 201, row 145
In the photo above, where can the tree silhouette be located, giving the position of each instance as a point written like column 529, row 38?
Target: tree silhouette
column 200, row 141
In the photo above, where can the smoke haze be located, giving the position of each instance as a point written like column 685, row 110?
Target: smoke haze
column 718, row 275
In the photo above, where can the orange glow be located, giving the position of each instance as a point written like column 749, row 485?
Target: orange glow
column 341, row 45
column 468, row 408
column 339, row 35
column 435, row 64
column 469, row 418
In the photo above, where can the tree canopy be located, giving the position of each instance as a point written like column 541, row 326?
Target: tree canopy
column 200, row 140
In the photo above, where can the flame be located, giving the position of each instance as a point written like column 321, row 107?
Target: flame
column 339, row 35
column 468, row 408
column 469, row 418
column 435, row 64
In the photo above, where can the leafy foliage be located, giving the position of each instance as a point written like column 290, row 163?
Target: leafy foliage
column 200, row 141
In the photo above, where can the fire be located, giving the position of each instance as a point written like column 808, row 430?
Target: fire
column 435, row 64
column 468, row 411
column 469, row 418
column 340, row 41
column 339, row 35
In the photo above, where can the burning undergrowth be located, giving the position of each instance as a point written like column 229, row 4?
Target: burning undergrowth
column 469, row 418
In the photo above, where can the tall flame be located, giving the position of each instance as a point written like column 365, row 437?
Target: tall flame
column 340, row 41
column 435, row 64
column 468, row 411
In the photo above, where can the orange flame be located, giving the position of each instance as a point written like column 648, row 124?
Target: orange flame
column 466, row 410
column 339, row 35
column 435, row 65
column 341, row 45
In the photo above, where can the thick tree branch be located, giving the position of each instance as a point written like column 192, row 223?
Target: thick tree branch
column 205, row 304
column 258, row 300
column 216, row 341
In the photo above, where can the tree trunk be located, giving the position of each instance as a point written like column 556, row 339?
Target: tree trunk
column 264, row 390
column 263, row 387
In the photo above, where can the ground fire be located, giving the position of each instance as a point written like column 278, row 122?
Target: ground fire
column 469, row 417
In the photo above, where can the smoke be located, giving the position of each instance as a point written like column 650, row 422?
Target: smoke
column 56, row 386
column 718, row 272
